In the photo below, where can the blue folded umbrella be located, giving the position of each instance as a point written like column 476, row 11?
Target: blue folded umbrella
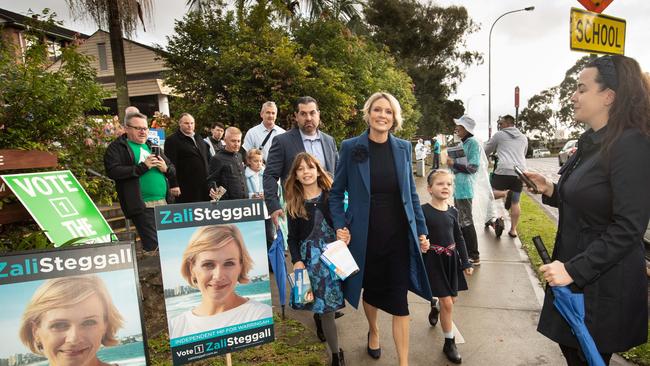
column 572, row 307
column 276, row 257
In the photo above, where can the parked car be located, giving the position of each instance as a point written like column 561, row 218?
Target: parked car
column 541, row 153
column 569, row 149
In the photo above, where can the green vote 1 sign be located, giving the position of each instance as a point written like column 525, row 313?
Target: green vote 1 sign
column 60, row 206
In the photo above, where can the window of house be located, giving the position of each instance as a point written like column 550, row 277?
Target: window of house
column 101, row 51
column 53, row 50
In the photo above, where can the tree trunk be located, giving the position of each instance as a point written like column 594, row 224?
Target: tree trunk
column 119, row 64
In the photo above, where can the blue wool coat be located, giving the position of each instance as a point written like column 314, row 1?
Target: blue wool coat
column 353, row 175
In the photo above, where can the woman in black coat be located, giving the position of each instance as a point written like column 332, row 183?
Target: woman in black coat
column 604, row 206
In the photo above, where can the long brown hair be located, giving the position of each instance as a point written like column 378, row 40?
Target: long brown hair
column 631, row 107
column 293, row 189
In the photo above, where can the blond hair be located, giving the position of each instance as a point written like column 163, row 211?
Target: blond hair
column 394, row 105
column 435, row 173
column 208, row 238
column 253, row 152
column 67, row 292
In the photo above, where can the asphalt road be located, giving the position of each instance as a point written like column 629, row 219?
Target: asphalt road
column 548, row 167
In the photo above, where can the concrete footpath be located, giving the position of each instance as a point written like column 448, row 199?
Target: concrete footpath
column 496, row 318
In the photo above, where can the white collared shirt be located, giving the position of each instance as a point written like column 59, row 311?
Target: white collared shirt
column 314, row 146
column 256, row 135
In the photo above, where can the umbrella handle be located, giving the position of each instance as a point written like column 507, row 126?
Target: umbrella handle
column 541, row 250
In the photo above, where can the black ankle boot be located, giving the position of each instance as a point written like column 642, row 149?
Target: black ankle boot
column 450, row 350
column 433, row 314
column 319, row 327
column 338, row 359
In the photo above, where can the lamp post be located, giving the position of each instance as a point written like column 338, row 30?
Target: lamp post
column 470, row 99
column 529, row 8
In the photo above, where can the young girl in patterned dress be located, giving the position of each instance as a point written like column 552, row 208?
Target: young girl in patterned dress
column 310, row 230
column 446, row 261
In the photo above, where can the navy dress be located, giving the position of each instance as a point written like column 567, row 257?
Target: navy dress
column 307, row 240
column 386, row 274
column 447, row 257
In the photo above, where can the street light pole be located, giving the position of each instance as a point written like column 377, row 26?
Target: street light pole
column 469, row 100
column 529, row 8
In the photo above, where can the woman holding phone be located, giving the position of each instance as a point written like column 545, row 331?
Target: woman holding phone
column 603, row 200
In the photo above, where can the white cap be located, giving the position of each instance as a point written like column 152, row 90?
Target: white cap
column 467, row 122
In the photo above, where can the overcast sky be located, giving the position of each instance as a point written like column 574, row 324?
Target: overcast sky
column 529, row 49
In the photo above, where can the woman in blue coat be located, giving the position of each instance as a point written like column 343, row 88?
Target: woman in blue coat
column 385, row 221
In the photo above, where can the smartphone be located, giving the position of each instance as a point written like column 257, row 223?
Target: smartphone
column 155, row 149
column 525, row 179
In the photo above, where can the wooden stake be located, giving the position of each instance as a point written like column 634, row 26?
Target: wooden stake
column 228, row 359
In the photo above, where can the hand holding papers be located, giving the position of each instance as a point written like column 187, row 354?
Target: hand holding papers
column 458, row 154
column 338, row 258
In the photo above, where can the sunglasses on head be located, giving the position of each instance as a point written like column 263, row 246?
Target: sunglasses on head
column 607, row 70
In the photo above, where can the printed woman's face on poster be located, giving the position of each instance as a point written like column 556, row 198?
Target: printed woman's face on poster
column 216, row 272
column 72, row 335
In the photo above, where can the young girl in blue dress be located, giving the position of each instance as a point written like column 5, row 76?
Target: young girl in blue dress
column 310, row 230
column 446, row 260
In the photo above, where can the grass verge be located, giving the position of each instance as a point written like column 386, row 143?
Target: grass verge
column 294, row 345
column 534, row 221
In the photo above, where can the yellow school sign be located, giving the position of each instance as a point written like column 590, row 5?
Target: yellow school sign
column 591, row 32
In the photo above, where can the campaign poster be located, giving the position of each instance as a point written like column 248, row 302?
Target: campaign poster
column 156, row 136
column 215, row 275
column 60, row 206
column 71, row 306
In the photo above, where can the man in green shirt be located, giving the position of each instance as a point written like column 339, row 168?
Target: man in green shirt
column 143, row 176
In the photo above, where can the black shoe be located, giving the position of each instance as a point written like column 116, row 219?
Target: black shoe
column 338, row 314
column 433, row 314
column 374, row 353
column 338, row 359
column 499, row 226
column 508, row 200
column 450, row 350
column 319, row 328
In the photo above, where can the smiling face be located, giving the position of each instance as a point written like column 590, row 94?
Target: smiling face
column 136, row 130
column 460, row 131
column 591, row 102
column 307, row 175
column 381, row 117
column 72, row 335
column 216, row 272
column 442, row 187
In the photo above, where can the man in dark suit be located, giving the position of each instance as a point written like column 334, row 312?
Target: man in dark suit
column 189, row 153
column 304, row 136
